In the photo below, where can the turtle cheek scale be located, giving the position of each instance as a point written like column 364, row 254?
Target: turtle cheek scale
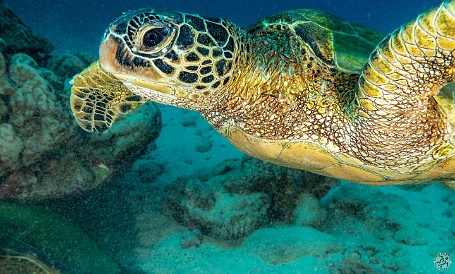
column 108, row 51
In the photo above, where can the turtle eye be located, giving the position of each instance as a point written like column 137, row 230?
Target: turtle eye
column 153, row 39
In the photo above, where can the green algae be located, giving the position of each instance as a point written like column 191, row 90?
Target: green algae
column 64, row 243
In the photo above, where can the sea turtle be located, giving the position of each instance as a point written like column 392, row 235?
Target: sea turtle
column 302, row 88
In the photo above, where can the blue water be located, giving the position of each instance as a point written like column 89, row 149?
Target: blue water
column 78, row 25
column 354, row 228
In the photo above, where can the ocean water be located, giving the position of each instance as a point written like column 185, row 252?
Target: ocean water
column 80, row 25
column 186, row 200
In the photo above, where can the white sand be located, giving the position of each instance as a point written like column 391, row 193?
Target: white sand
column 187, row 143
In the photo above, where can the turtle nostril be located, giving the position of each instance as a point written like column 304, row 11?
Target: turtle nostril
column 106, row 34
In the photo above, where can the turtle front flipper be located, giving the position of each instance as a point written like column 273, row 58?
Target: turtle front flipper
column 399, row 119
column 97, row 98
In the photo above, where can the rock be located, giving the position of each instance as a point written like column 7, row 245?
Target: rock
column 148, row 171
column 281, row 245
column 2, row 63
column 66, row 65
column 208, row 207
column 19, row 38
column 389, row 217
column 309, row 212
column 43, row 152
column 2, row 45
column 237, row 197
column 203, row 147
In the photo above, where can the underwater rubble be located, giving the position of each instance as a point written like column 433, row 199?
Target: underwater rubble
column 237, row 197
column 350, row 229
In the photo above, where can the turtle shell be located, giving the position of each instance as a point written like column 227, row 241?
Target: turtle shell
column 336, row 42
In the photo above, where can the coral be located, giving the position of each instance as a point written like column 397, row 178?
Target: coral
column 283, row 185
column 20, row 38
column 237, row 197
column 43, row 153
column 208, row 207
column 36, row 115
column 2, row 45
column 2, row 61
column 10, row 147
column 65, row 65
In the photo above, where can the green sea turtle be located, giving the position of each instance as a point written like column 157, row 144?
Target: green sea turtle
column 302, row 89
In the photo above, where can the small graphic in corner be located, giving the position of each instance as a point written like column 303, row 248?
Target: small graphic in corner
column 442, row 261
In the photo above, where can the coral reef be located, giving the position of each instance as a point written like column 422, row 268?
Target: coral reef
column 43, row 153
column 17, row 37
column 214, row 211
column 238, row 197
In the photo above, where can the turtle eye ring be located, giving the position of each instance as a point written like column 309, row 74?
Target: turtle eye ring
column 153, row 39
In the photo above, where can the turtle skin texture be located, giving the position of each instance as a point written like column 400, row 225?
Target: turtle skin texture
column 302, row 88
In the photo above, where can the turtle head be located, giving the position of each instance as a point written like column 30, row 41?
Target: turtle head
column 170, row 57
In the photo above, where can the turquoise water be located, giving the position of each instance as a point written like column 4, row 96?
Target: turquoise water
column 163, row 192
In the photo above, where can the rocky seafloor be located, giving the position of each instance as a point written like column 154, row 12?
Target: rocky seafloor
column 142, row 199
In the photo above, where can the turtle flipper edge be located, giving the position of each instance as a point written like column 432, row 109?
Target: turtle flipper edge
column 97, row 98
